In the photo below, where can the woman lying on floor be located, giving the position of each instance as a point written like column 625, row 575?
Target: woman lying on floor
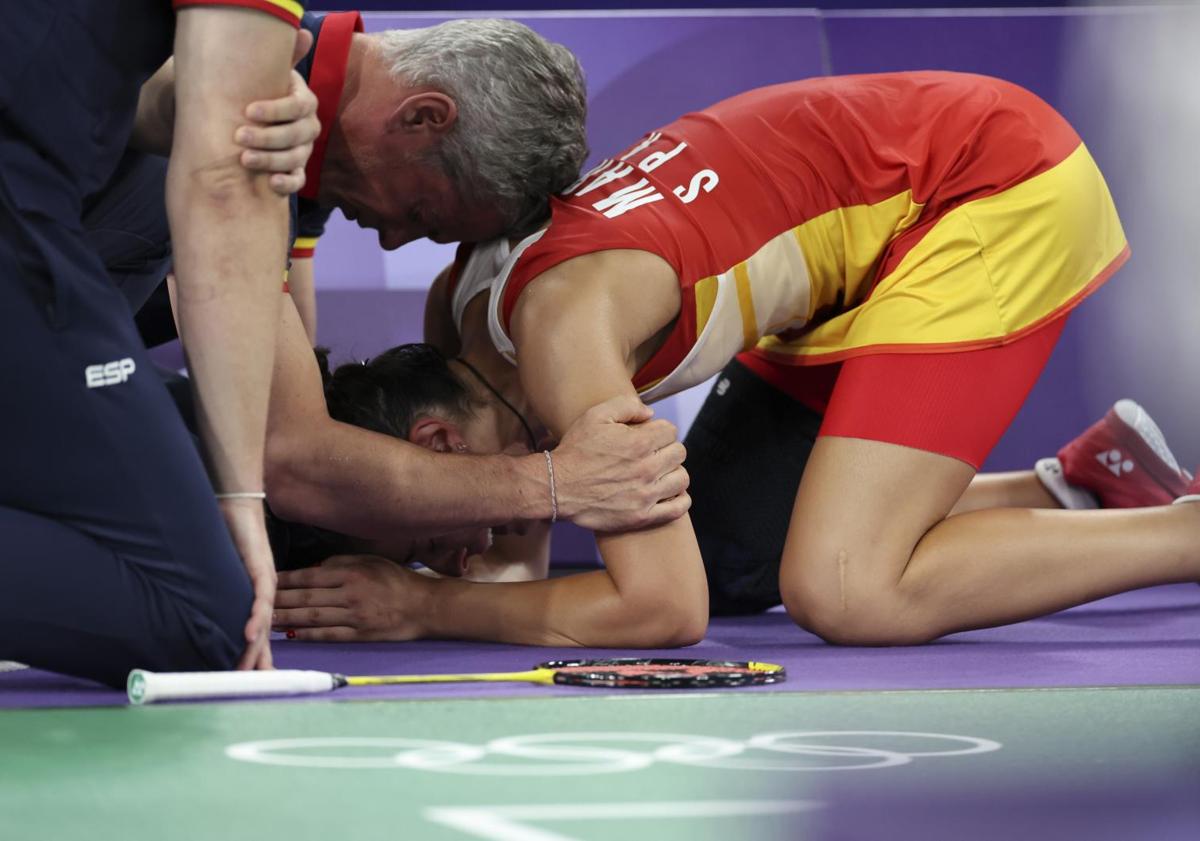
column 893, row 257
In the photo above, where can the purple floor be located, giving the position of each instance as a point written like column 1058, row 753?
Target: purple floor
column 1142, row 638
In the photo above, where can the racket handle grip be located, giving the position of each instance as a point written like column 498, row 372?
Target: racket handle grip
column 147, row 687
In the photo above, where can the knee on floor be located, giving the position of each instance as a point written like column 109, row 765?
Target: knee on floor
column 855, row 612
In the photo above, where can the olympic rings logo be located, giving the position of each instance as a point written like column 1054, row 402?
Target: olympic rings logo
column 562, row 754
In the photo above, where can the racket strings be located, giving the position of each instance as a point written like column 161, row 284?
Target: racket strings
column 664, row 674
column 655, row 669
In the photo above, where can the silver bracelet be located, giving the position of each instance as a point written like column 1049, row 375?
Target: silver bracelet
column 553, row 490
column 243, row 495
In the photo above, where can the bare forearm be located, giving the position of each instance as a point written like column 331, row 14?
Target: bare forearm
column 229, row 236
column 228, row 262
column 368, row 485
column 583, row 610
column 653, row 595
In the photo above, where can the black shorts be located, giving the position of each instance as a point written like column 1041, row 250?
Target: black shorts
column 746, row 452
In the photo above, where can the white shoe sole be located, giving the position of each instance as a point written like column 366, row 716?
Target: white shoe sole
column 1140, row 421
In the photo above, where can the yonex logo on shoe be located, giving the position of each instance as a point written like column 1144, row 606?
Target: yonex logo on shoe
column 109, row 373
column 1116, row 463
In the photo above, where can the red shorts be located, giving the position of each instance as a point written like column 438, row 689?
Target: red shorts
column 956, row 404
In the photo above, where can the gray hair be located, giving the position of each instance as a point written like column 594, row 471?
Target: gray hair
column 522, row 106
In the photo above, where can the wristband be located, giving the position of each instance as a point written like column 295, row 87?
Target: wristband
column 553, row 490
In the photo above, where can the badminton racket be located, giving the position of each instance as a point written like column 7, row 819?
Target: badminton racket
column 146, row 687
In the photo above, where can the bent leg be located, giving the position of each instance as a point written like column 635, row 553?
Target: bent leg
column 113, row 554
column 1012, row 489
column 71, row 605
column 871, row 557
column 871, row 560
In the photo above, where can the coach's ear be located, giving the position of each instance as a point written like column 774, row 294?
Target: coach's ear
column 437, row 434
column 426, row 112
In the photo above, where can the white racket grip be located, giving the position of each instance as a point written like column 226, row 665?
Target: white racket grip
column 148, row 687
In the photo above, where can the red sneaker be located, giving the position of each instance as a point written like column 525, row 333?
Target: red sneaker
column 1124, row 460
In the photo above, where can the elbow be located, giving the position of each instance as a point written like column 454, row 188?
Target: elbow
column 681, row 623
column 688, row 628
column 217, row 180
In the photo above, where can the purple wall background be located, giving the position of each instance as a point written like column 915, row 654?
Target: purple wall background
column 645, row 68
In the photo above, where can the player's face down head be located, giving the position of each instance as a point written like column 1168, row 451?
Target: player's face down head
column 412, row 392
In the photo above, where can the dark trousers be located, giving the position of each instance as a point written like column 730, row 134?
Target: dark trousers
column 113, row 554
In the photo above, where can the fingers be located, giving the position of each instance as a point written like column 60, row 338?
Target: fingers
column 284, row 134
column 281, row 137
column 284, row 163
column 265, row 658
column 286, row 184
column 283, row 181
column 250, row 658
column 654, row 435
column 258, row 649
column 259, row 622
column 671, row 484
column 668, row 457
column 299, row 104
column 258, row 626
column 624, row 409
column 325, row 576
column 340, row 634
column 669, row 510
column 313, row 617
column 308, row 598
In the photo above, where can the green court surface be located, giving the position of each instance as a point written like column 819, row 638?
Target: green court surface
column 683, row 766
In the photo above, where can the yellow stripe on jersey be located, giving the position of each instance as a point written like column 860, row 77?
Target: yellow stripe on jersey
column 735, row 308
column 987, row 270
column 745, row 295
column 706, row 297
column 289, row 6
column 842, row 246
column 288, row 10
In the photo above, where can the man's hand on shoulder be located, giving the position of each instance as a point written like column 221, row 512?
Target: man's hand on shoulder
column 617, row 469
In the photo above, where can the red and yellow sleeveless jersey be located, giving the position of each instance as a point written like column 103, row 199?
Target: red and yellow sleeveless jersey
column 827, row 218
column 287, row 10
